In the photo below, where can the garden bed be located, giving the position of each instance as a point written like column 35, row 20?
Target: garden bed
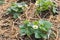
column 9, row 27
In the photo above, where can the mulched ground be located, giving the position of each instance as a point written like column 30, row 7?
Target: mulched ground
column 9, row 29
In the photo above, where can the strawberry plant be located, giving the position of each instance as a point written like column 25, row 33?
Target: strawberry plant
column 43, row 5
column 16, row 9
column 38, row 28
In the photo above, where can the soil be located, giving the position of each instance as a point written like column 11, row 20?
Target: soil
column 9, row 29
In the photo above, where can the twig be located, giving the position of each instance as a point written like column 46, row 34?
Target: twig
column 30, row 37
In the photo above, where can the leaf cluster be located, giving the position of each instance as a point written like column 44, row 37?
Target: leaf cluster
column 38, row 28
column 43, row 5
column 16, row 9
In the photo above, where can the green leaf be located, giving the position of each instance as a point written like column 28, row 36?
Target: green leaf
column 36, row 23
column 48, row 25
column 41, row 22
column 43, row 29
column 28, row 32
column 22, row 4
column 20, row 10
column 15, row 15
column 54, row 10
column 26, row 22
column 21, row 26
column 37, row 35
column 22, row 32
column 14, row 8
column 43, row 35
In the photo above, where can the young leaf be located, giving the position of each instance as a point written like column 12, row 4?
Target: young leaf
column 37, row 34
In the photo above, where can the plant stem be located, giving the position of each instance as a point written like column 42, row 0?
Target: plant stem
column 29, row 37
